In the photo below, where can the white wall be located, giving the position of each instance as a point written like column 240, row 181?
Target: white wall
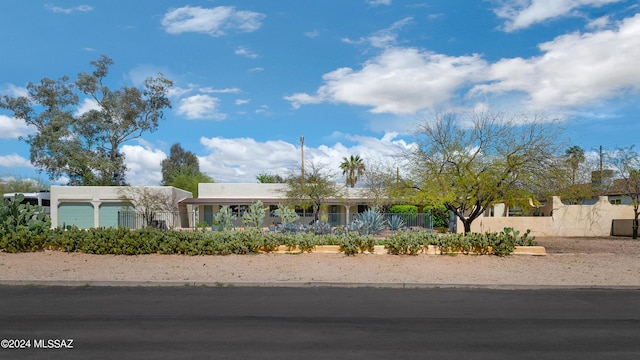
column 567, row 220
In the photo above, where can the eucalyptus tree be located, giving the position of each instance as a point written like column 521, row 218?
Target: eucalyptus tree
column 470, row 162
column 182, row 170
column 352, row 167
column 179, row 161
column 82, row 145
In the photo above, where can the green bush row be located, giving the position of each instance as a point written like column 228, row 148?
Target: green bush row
column 123, row 241
column 501, row 244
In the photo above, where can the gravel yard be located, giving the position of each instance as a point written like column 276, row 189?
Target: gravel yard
column 570, row 262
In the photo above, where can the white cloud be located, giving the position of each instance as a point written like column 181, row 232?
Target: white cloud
column 399, row 81
column 312, row 34
column 87, row 105
column 242, row 51
column 379, row 2
column 212, row 21
column 60, row 10
column 242, row 159
column 16, row 91
column 599, row 23
column 142, row 72
column 242, row 101
column 262, row 109
column 209, row 90
column 521, row 14
column 383, row 38
column 143, row 164
column 14, row 160
column 575, row 69
column 200, row 107
column 12, row 128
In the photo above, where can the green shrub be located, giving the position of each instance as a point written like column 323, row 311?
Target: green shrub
column 408, row 213
column 123, row 241
column 439, row 216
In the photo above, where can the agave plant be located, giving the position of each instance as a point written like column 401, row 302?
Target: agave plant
column 396, row 222
column 372, row 222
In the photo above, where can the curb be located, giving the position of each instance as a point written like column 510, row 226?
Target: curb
column 305, row 284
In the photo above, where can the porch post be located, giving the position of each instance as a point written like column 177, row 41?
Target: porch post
column 347, row 214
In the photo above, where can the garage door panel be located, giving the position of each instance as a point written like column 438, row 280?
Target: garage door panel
column 109, row 213
column 78, row 214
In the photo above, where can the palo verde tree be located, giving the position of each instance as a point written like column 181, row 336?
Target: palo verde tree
column 470, row 162
column 85, row 147
column 352, row 167
column 627, row 163
column 312, row 189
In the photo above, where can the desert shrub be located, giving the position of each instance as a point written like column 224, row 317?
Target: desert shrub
column 410, row 242
column 408, row 213
column 352, row 243
column 439, row 215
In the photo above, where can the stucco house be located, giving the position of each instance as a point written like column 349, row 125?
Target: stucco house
column 103, row 206
column 238, row 196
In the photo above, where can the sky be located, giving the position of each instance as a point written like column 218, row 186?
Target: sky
column 353, row 77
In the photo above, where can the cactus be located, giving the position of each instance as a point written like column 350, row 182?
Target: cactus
column 225, row 218
column 255, row 216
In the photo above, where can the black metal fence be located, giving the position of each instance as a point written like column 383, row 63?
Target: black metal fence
column 156, row 219
column 175, row 219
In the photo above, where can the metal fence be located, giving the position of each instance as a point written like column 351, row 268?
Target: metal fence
column 175, row 219
column 156, row 219
column 423, row 220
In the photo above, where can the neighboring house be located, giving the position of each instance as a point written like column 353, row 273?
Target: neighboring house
column 212, row 196
column 101, row 206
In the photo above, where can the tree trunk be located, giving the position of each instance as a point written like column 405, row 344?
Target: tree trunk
column 467, row 225
column 635, row 226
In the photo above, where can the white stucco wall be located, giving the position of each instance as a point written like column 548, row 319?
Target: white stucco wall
column 97, row 195
column 567, row 220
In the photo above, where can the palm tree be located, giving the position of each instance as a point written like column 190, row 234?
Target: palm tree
column 352, row 168
column 575, row 157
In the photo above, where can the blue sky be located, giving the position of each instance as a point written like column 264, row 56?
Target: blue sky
column 351, row 76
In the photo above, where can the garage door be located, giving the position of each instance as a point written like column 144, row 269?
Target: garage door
column 78, row 214
column 109, row 213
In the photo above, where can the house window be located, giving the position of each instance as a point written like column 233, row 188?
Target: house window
column 615, row 201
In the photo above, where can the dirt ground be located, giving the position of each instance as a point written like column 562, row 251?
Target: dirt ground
column 585, row 245
column 570, row 262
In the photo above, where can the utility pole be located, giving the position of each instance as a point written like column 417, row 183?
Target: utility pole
column 601, row 156
column 302, row 151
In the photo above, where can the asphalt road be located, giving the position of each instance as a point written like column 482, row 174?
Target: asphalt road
column 317, row 323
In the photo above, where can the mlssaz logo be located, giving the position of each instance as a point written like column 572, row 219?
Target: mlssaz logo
column 53, row 344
